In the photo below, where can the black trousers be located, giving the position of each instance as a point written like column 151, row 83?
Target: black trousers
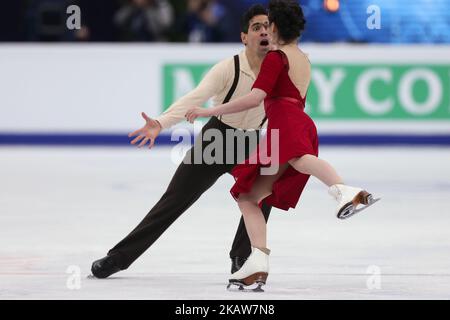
column 189, row 182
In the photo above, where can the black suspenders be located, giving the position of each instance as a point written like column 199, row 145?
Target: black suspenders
column 262, row 122
column 235, row 81
column 234, row 85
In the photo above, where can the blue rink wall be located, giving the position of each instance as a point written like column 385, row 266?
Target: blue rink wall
column 120, row 140
column 94, row 94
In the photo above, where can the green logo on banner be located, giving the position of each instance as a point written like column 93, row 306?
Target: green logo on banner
column 351, row 91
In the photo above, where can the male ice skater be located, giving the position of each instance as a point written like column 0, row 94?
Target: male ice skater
column 228, row 79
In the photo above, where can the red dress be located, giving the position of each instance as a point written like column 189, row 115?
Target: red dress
column 284, row 108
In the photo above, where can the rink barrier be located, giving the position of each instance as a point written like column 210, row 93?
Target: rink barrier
column 103, row 88
column 121, row 140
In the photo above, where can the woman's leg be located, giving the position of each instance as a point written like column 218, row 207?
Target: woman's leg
column 252, row 214
column 348, row 197
column 322, row 170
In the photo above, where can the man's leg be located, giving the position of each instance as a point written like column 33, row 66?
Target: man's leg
column 189, row 182
column 187, row 185
column 241, row 247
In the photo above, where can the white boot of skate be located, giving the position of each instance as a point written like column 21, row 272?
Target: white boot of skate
column 349, row 198
column 254, row 271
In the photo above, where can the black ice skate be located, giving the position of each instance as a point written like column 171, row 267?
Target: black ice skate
column 104, row 267
column 237, row 263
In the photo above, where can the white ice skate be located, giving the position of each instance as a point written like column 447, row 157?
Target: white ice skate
column 253, row 274
column 349, row 198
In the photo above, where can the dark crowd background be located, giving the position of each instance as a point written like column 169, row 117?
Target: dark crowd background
column 402, row 21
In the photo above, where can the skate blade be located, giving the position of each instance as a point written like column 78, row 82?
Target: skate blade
column 351, row 210
column 236, row 286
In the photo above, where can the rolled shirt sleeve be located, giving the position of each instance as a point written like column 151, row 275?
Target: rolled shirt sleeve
column 213, row 83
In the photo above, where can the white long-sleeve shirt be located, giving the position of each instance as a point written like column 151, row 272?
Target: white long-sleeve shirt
column 216, row 84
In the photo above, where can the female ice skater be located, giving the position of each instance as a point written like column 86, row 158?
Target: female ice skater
column 282, row 83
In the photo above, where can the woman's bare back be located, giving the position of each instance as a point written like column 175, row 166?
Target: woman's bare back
column 299, row 68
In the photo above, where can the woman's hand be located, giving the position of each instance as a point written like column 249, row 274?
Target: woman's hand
column 195, row 112
column 148, row 132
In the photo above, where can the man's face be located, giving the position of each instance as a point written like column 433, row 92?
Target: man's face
column 257, row 38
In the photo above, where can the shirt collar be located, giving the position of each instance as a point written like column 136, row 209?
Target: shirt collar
column 244, row 65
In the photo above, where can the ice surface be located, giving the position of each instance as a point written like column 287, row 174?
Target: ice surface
column 62, row 207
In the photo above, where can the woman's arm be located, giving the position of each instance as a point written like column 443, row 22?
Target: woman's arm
column 251, row 100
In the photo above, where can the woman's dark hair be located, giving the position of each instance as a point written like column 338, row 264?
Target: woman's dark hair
column 253, row 11
column 288, row 17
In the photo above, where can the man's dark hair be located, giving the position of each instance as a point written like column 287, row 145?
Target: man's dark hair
column 253, row 11
column 288, row 17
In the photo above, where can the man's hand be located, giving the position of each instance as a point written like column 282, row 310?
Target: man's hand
column 195, row 112
column 149, row 132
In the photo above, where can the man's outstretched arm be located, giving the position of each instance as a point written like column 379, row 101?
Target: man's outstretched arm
column 214, row 82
